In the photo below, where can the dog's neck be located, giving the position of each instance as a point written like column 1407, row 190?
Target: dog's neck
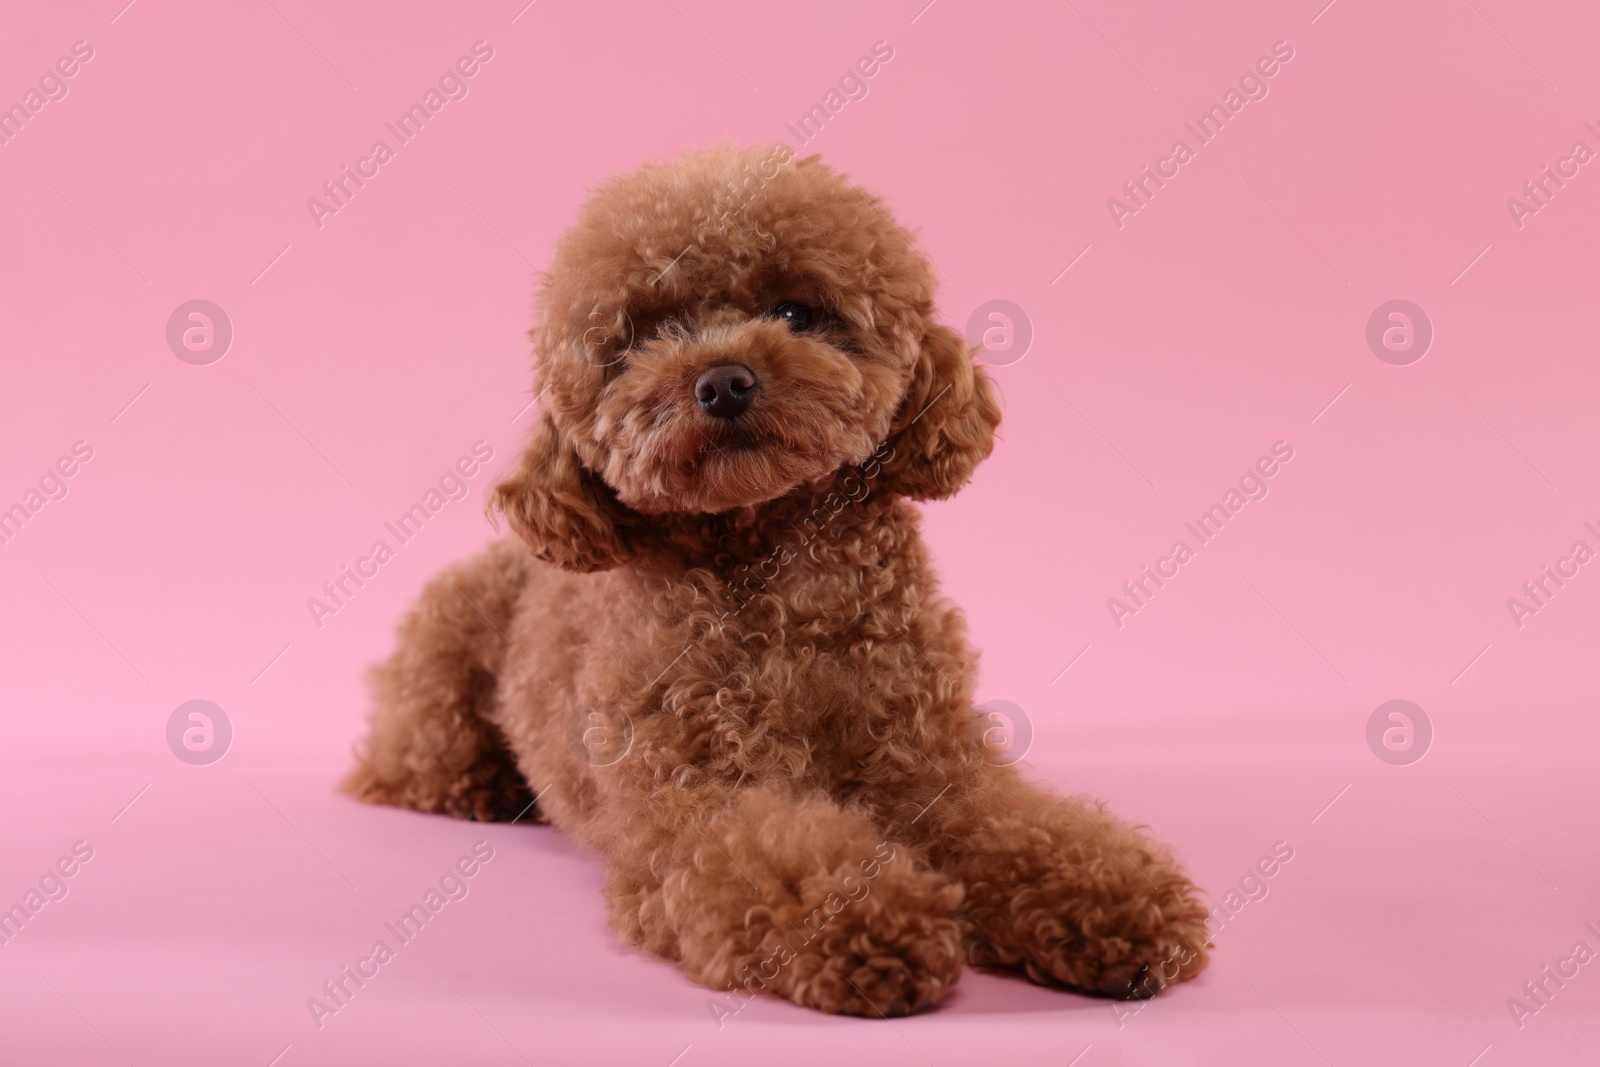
column 843, row 509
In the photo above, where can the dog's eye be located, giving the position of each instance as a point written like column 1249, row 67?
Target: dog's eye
column 798, row 317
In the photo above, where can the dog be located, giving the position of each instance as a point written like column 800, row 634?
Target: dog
column 715, row 653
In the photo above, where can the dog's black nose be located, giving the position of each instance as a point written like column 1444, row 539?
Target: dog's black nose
column 724, row 392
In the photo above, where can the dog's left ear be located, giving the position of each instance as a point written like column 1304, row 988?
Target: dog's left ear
column 565, row 513
column 945, row 426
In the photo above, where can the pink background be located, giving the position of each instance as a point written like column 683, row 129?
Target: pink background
column 1222, row 317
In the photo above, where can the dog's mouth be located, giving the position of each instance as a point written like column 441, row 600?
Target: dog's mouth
column 685, row 461
column 733, row 440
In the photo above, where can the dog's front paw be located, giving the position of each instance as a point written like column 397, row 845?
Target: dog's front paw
column 1127, row 933
column 1133, row 962
column 892, row 947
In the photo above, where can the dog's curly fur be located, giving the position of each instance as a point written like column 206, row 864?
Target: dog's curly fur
column 717, row 653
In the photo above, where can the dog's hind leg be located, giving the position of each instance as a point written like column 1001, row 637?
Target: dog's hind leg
column 431, row 744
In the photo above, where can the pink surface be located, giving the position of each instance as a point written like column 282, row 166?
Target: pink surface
column 1172, row 346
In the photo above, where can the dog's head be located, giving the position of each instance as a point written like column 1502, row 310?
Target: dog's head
column 727, row 329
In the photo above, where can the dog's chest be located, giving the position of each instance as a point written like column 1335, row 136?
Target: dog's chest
column 801, row 652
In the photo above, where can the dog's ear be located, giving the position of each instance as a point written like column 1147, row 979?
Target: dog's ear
column 945, row 426
column 565, row 513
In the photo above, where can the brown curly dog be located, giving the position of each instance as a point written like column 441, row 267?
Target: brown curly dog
column 717, row 655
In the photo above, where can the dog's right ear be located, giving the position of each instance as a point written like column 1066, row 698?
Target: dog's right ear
column 565, row 513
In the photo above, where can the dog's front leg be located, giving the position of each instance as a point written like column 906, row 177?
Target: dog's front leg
column 758, row 889
column 1058, row 887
